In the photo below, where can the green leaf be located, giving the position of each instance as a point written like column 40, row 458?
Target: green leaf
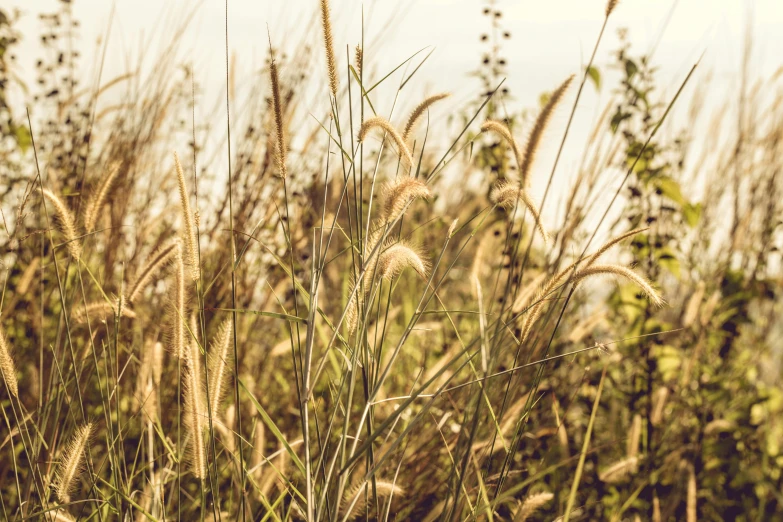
column 691, row 213
column 618, row 118
column 668, row 261
column 595, row 76
column 23, row 138
column 630, row 68
column 671, row 189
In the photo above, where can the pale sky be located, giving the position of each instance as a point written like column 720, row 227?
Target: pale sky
column 550, row 40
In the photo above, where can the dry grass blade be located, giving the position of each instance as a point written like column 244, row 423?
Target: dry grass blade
column 381, row 123
column 71, row 462
column 66, row 223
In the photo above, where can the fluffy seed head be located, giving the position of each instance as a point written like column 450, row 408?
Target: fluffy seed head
column 359, row 60
column 178, row 307
column 381, row 123
column 419, row 111
column 219, row 359
column 609, row 244
column 610, row 5
column 507, row 195
column 532, row 504
column 7, row 367
column 71, row 462
column 331, row 63
column 537, row 133
column 354, row 502
column 101, row 311
column 452, row 228
column 98, row 197
column 398, row 195
column 154, row 264
column 195, row 410
column 618, row 471
column 277, row 105
column 644, row 285
column 398, row 257
column 502, row 130
column 66, row 223
column 189, row 233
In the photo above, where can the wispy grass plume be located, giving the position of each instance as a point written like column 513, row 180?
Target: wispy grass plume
column 277, row 106
column 153, row 265
column 331, row 63
column 419, row 111
column 7, row 367
column 534, row 140
column 219, row 366
column 98, row 197
column 66, row 223
column 381, row 123
column 187, row 220
column 71, row 462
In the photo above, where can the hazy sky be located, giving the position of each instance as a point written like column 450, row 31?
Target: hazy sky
column 550, row 40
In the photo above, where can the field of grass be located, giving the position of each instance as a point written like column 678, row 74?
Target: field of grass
column 340, row 326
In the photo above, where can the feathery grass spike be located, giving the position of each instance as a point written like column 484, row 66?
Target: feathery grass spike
column 419, row 111
column 178, row 310
column 502, row 130
column 619, row 471
column 7, row 367
column 537, row 133
column 195, row 411
column 398, row 257
column 359, row 60
column 644, row 285
column 219, row 366
column 506, row 195
column 71, row 462
column 66, row 222
column 331, row 64
column 187, row 217
column 532, row 504
column 355, row 499
column 610, row 5
column 280, row 146
column 98, row 197
column 154, row 264
column 381, row 123
column 398, row 195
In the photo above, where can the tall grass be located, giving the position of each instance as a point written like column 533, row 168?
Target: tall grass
column 339, row 328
